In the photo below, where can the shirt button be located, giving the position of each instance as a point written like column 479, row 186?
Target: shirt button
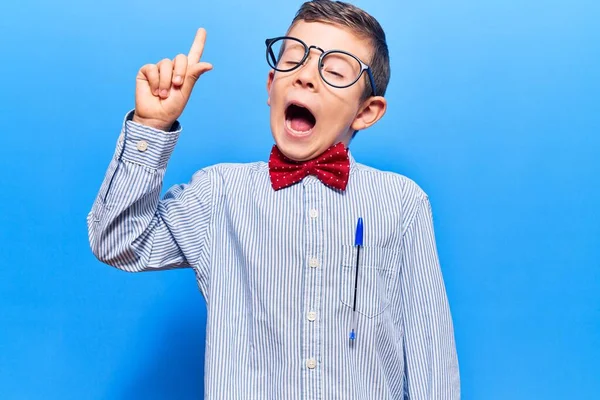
column 313, row 213
column 313, row 262
column 311, row 363
column 311, row 315
column 142, row 145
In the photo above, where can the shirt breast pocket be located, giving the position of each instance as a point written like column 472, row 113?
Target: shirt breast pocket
column 377, row 271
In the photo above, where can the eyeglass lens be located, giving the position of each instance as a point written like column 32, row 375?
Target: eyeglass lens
column 337, row 68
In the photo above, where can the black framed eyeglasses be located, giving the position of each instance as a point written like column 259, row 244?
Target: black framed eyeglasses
column 337, row 68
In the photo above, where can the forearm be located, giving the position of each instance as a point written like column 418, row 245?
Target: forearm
column 125, row 226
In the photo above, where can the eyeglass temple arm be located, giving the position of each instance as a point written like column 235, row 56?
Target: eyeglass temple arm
column 372, row 81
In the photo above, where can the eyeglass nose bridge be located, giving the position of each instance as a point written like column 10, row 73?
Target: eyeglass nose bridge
column 307, row 54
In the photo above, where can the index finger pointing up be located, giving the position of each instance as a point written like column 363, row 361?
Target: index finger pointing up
column 197, row 47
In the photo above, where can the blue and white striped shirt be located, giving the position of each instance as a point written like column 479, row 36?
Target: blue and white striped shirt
column 277, row 270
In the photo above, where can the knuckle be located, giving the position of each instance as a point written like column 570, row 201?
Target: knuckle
column 180, row 62
column 165, row 63
column 148, row 68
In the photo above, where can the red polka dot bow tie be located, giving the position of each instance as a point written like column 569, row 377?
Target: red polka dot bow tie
column 332, row 168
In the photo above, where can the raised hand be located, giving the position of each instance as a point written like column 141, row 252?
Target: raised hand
column 162, row 90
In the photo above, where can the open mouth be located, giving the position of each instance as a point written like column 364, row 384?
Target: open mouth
column 299, row 119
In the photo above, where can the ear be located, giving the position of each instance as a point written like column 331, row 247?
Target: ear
column 370, row 112
column 269, row 84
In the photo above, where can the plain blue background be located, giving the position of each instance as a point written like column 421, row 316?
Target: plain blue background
column 493, row 110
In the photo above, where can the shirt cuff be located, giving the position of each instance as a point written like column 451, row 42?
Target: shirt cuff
column 148, row 146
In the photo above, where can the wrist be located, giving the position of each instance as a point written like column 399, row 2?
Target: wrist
column 152, row 123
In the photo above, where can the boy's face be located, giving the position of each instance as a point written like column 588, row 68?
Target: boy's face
column 336, row 113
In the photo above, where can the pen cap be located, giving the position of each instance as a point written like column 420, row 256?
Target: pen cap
column 358, row 239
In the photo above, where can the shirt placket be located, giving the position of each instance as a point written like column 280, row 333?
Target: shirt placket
column 313, row 279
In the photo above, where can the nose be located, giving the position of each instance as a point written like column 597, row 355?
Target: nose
column 307, row 75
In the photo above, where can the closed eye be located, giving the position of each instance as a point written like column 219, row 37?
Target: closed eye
column 336, row 74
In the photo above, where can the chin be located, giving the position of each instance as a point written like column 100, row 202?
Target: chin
column 295, row 150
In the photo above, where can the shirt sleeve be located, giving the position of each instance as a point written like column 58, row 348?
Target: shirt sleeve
column 431, row 363
column 129, row 226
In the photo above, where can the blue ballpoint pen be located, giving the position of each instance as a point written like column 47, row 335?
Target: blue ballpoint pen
column 358, row 242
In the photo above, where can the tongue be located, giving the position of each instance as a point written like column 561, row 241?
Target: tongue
column 301, row 124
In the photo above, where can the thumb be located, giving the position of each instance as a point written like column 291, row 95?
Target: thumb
column 198, row 69
column 193, row 74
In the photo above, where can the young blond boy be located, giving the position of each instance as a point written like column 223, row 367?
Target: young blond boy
column 274, row 245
